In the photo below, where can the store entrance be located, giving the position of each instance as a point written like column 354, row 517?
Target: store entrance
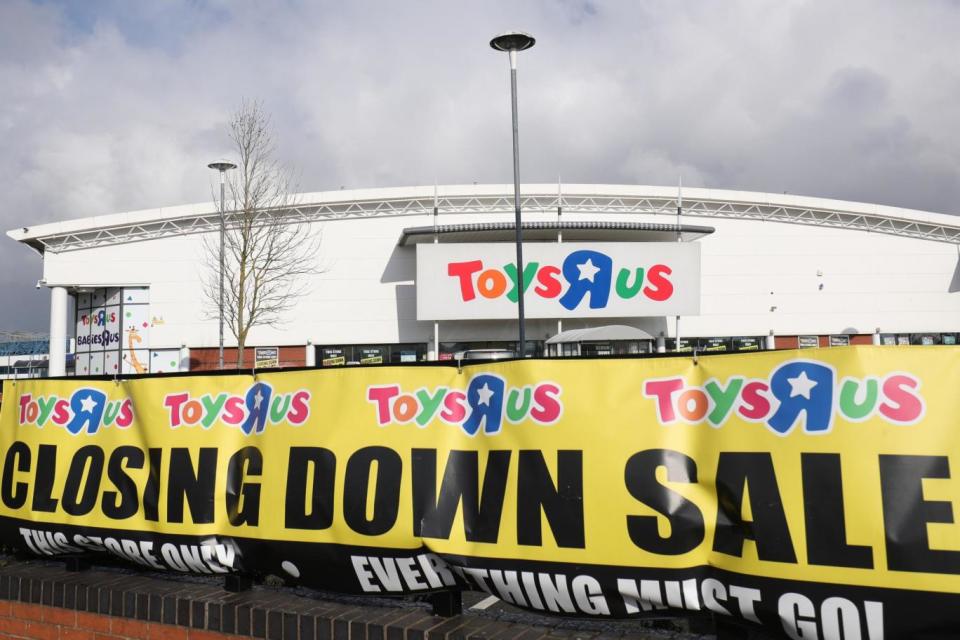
column 451, row 350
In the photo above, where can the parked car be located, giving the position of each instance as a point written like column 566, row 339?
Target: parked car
column 474, row 355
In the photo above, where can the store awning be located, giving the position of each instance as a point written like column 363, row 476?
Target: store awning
column 582, row 231
column 29, row 364
column 600, row 334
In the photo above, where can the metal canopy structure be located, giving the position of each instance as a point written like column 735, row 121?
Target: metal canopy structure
column 600, row 334
column 547, row 232
column 498, row 199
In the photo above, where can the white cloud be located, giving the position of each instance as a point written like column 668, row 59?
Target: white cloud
column 115, row 106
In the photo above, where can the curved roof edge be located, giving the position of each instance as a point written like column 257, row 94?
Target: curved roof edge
column 546, row 231
column 703, row 202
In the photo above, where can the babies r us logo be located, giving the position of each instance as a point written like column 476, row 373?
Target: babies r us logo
column 486, row 403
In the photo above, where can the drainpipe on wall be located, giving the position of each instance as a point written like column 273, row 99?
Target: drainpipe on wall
column 57, row 364
column 434, row 356
column 770, row 342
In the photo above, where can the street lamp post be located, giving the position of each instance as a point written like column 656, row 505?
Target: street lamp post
column 222, row 166
column 513, row 42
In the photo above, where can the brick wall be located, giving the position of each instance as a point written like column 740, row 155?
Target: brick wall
column 44, row 601
column 791, row 342
column 206, row 359
column 21, row 620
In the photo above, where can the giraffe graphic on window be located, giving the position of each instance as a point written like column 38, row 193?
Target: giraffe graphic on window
column 133, row 336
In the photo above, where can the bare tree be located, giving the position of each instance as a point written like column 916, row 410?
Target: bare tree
column 269, row 250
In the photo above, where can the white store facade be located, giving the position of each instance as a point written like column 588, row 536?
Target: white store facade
column 744, row 271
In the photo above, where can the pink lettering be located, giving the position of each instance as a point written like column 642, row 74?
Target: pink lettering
column 663, row 391
column 754, row 405
column 547, row 407
column 60, row 414
column 382, row 396
column 299, row 408
column 125, row 419
column 174, row 401
column 901, row 403
column 233, row 410
column 24, row 401
column 454, row 408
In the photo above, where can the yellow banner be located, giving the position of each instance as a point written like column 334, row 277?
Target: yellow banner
column 828, row 466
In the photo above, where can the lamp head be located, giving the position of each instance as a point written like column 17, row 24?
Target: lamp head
column 222, row 165
column 513, row 41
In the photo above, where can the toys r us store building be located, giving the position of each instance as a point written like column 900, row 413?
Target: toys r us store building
column 425, row 273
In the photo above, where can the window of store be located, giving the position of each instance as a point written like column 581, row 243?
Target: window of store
column 371, row 354
column 331, row 356
column 339, row 355
column 708, row 345
column 686, row 345
column 402, row 353
column 449, row 350
column 113, row 331
column 918, row 338
column 569, row 349
column 747, row 343
column 616, row 348
column 715, row 344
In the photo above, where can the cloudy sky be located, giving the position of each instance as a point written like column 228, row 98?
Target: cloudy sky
column 111, row 105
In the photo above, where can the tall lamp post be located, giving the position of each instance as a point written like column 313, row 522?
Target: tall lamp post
column 513, row 42
column 222, row 166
